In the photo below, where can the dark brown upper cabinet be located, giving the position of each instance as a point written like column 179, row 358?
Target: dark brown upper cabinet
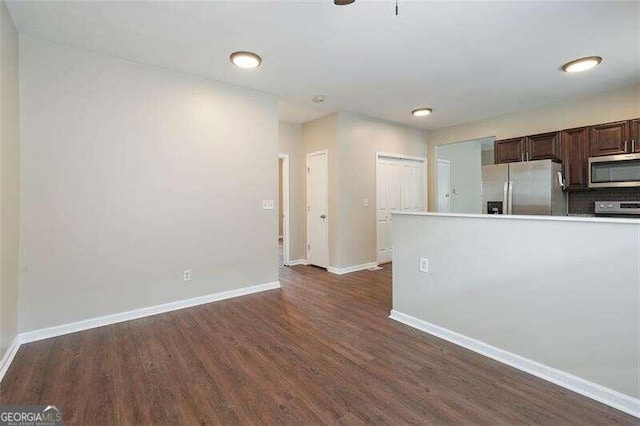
column 509, row 150
column 609, row 139
column 544, row 146
column 575, row 146
column 635, row 135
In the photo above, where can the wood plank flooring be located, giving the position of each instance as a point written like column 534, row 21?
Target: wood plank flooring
column 321, row 350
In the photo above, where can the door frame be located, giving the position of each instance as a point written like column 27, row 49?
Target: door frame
column 380, row 155
column 286, row 238
column 440, row 160
column 326, row 183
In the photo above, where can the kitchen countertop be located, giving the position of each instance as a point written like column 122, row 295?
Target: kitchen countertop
column 593, row 219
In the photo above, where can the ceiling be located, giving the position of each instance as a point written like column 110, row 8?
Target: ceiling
column 467, row 60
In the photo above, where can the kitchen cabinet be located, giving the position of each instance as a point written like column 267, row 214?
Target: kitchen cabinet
column 634, row 126
column 544, row 146
column 609, row 139
column 509, row 150
column 575, row 146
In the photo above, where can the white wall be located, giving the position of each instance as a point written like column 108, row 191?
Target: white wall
column 9, row 179
column 132, row 174
column 560, row 292
column 465, row 159
column 290, row 143
column 593, row 108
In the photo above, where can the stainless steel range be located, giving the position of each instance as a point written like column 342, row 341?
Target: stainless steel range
column 628, row 209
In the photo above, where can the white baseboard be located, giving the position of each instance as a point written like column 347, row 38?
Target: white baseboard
column 350, row 269
column 45, row 333
column 297, row 262
column 8, row 356
column 577, row 384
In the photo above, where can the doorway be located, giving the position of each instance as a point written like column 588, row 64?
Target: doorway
column 284, row 239
column 318, row 208
column 444, row 186
column 400, row 186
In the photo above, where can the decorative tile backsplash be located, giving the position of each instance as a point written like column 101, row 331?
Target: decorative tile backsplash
column 583, row 202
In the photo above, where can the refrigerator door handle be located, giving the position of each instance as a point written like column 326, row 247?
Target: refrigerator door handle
column 505, row 199
column 510, row 205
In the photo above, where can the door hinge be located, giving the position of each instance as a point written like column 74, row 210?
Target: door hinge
column 308, row 208
column 308, row 246
column 308, row 170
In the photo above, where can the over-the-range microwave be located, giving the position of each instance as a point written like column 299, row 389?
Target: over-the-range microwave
column 614, row 171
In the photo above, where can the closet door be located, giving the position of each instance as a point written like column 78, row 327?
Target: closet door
column 400, row 187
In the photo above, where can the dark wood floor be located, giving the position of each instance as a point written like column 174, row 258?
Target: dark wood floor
column 320, row 350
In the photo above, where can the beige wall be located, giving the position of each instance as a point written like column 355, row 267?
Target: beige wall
column 10, row 180
column 352, row 141
column 132, row 174
column 317, row 135
column 359, row 138
column 618, row 104
column 290, row 143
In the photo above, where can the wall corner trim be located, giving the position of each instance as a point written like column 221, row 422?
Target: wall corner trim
column 59, row 330
column 11, row 352
column 349, row 269
column 576, row 384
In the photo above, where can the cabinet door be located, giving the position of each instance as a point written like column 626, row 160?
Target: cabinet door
column 544, row 146
column 634, row 126
column 575, row 146
column 509, row 150
column 609, row 139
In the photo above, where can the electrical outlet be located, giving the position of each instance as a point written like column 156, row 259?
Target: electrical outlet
column 268, row 205
column 186, row 275
column 424, row 265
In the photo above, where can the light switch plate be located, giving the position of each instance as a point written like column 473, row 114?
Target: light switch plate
column 365, row 202
column 268, row 204
column 424, row 265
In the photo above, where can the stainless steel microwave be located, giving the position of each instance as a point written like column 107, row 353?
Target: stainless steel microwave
column 614, row 171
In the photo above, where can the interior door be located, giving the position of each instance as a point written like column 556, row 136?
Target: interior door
column 444, row 186
column 318, row 209
column 400, row 187
column 389, row 199
column 412, row 186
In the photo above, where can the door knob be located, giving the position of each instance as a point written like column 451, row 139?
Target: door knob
column 322, row 216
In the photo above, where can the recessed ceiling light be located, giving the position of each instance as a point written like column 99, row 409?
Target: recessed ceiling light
column 582, row 64
column 421, row 112
column 245, row 60
column 318, row 99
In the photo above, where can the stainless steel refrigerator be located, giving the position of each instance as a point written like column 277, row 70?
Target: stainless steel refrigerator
column 527, row 188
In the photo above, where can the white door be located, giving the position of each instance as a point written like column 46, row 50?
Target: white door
column 400, row 187
column 317, row 209
column 444, row 186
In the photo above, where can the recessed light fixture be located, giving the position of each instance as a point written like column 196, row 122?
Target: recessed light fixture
column 582, row 64
column 319, row 99
column 245, row 60
column 421, row 112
